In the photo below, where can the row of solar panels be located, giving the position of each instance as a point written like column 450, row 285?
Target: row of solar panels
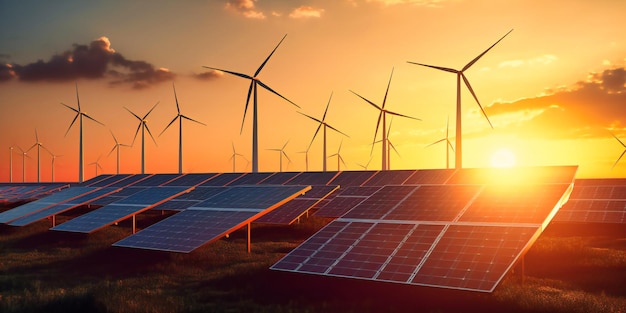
column 454, row 229
column 10, row 193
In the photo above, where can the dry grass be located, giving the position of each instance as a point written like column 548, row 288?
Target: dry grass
column 567, row 270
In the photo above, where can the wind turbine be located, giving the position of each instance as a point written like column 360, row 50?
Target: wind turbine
column 323, row 123
column 448, row 144
column 11, row 164
column 282, row 152
column 24, row 156
column 234, row 156
column 96, row 165
column 79, row 115
column 306, row 158
column 623, row 152
column 339, row 158
column 254, row 82
column 117, row 147
column 53, row 159
column 383, row 115
column 39, row 145
column 180, row 118
column 366, row 164
column 143, row 125
column 390, row 146
column 460, row 74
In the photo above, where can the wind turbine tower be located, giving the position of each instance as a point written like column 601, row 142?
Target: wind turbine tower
column 117, row 147
column 460, row 75
column 39, row 145
column 254, row 82
column 11, row 164
column 282, row 152
column 143, row 125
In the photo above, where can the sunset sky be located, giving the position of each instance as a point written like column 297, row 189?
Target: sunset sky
column 554, row 88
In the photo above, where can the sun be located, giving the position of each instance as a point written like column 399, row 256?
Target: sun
column 503, row 158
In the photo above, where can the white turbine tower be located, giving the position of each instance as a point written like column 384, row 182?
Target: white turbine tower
column 383, row 116
column 39, row 145
column 447, row 143
column 117, row 147
column 306, row 157
column 254, row 82
column 339, row 158
column 143, row 125
column 234, row 157
column 326, row 125
column 460, row 74
column 54, row 157
column 24, row 156
column 79, row 115
column 180, row 118
column 282, row 152
column 390, row 146
column 11, row 164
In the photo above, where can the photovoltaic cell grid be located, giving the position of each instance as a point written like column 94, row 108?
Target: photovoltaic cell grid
column 280, row 178
column 189, row 180
column 222, row 179
column 133, row 179
column 383, row 178
column 191, row 198
column 124, row 193
column 250, row 179
column 90, row 182
column 62, row 207
column 452, row 236
column 157, row 180
column 198, row 225
column 108, row 180
column 338, row 206
column 312, row 178
column 120, row 210
column 293, row 210
column 38, row 205
column 595, row 201
column 437, row 177
column 352, row 178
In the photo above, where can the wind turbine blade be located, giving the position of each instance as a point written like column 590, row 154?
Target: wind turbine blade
column 370, row 102
column 476, row 98
column 115, row 146
column 31, row 147
column 36, row 136
column 136, row 132
column 245, row 110
column 387, row 91
column 380, row 115
column 450, row 145
column 69, row 107
column 268, row 57
column 311, row 117
column 441, row 68
column 168, row 125
column 394, row 148
column 233, row 144
column 436, row 142
column 72, row 123
column 335, row 129
column 230, row 72
column 621, row 142
column 276, row 93
column 77, row 98
column 91, row 118
column 150, row 133
column 314, row 135
column 176, row 98
column 342, row 161
column 131, row 112
column 620, row 157
column 44, row 147
column 285, row 154
column 402, row 115
column 327, row 105
column 191, row 119
column 146, row 116
column 468, row 65
column 114, row 139
column 285, row 145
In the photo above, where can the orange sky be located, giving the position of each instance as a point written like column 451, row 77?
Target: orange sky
column 553, row 88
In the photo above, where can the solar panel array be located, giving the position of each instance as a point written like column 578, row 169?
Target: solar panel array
column 293, row 210
column 11, row 193
column 211, row 219
column 38, row 205
column 465, row 235
column 595, row 201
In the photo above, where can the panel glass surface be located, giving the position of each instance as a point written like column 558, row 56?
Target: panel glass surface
column 250, row 179
column 434, row 203
column 189, row 180
column 222, row 179
column 380, row 203
column 280, row 178
column 338, row 206
column 50, row 200
column 251, row 197
column 312, row 178
column 434, row 176
column 352, row 178
column 288, row 212
column 110, row 179
column 157, row 180
column 383, row 178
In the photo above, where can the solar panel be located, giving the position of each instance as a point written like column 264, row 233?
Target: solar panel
column 125, row 192
column 319, row 192
column 352, row 178
column 250, row 179
column 201, row 193
column 288, row 212
column 90, row 182
column 514, row 175
column 383, row 178
column 211, row 220
column 175, row 205
column 438, row 177
column 280, row 178
column 189, row 180
column 358, row 191
column 338, row 206
column 157, row 180
column 222, row 179
column 62, row 207
column 34, row 206
column 312, row 178
column 595, row 201
column 133, row 179
column 120, row 210
column 109, row 179
column 451, row 236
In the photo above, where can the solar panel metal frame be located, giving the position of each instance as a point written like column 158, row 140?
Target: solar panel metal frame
column 222, row 179
column 191, row 179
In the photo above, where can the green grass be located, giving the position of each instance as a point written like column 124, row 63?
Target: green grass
column 579, row 269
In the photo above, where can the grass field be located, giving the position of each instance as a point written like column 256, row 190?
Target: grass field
column 571, row 268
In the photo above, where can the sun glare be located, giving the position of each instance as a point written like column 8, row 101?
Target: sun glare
column 503, row 158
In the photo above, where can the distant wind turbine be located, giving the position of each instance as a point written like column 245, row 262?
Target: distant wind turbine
column 383, row 116
column 234, row 157
column 460, row 74
column 339, row 158
column 366, row 164
column 39, row 145
column 96, row 165
column 79, row 115
column 623, row 152
column 143, row 125
column 117, row 147
column 180, row 118
column 448, row 144
column 322, row 123
column 390, row 146
column 306, row 157
column 24, row 156
column 254, row 82
column 282, row 152
column 54, row 157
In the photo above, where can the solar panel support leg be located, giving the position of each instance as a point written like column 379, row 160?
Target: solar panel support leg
column 134, row 225
column 248, row 237
column 54, row 220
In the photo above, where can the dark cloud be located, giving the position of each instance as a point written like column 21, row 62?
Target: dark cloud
column 6, row 72
column 586, row 109
column 94, row 61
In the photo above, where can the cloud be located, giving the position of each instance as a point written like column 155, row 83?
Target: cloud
column 247, row 8
column 306, row 12
column 96, row 60
column 424, row 3
column 585, row 109
column 209, row 75
column 545, row 59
